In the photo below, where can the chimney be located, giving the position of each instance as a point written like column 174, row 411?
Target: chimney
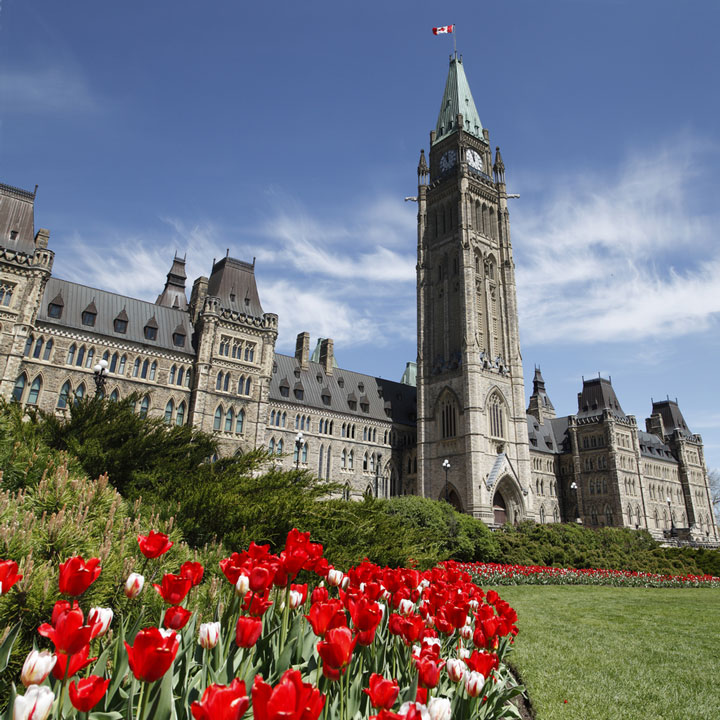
column 42, row 237
column 326, row 355
column 654, row 424
column 302, row 349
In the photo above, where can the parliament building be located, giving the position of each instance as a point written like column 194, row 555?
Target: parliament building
column 457, row 426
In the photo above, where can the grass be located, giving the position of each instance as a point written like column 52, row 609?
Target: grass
column 620, row 653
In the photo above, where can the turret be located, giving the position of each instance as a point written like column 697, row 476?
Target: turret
column 540, row 406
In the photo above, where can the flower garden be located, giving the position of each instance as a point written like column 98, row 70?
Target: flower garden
column 499, row 574
column 290, row 638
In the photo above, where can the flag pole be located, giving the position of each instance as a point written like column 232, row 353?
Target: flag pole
column 454, row 41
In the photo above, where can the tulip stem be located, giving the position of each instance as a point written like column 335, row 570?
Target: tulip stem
column 142, row 700
column 286, row 616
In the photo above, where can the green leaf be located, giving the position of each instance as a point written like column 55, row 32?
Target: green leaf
column 7, row 645
column 161, row 705
column 106, row 716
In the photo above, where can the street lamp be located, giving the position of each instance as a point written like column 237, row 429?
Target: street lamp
column 299, row 442
column 672, row 524
column 446, row 466
column 574, row 488
column 100, row 376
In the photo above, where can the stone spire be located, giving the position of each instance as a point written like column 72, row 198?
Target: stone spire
column 457, row 100
column 540, row 406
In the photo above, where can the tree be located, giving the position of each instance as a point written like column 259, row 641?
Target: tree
column 714, row 482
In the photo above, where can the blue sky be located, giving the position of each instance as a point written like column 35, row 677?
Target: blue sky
column 290, row 132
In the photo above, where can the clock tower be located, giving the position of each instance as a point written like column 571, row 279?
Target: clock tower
column 471, row 395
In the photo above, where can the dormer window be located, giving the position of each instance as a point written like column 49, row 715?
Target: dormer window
column 325, row 396
column 179, row 339
column 150, row 330
column 120, row 324
column 13, row 234
column 89, row 314
column 55, row 308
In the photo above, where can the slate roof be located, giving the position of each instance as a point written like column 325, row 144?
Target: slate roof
column 542, row 437
column 671, row 416
column 233, row 281
column 598, row 395
column 457, row 98
column 110, row 306
column 17, row 224
column 386, row 400
column 652, row 446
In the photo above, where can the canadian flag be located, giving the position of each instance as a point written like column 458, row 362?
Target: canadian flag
column 443, row 30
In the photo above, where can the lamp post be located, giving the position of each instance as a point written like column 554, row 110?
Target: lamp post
column 100, row 376
column 672, row 524
column 446, row 467
column 299, row 442
column 574, row 488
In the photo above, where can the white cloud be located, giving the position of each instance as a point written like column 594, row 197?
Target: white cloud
column 51, row 89
column 619, row 260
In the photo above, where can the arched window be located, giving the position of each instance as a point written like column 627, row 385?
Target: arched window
column 144, row 372
column 372, row 463
column 90, row 356
column 343, row 459
column 113, row 363
column 181, row 371
column 218, row 417
column 542, row 514
column 239, row 421
column 28, row 346
column 241, row 385
column 218, row 382
column 271, row 446
column 229, row 418
column 351, row 459
column 34, row 391
column 272, row 417
column 153, row 370
column 365, row 461
column 496, row 416
column 79, row 393
column 226, row 384
column 304, row 452
column 71, row 355
column 556, row 515
column 145, row 406
column 320, row 463
column 171, row 376
column 283, row 420
column 64, row 393
column 19, row 389
column 247, row 386
column 121, row 369
column 280, row 447
column 180, row 415
column 114, row 395
column 169, row 412
column 136, row 367
column 364, row 433
column 448, row 420
column 80, row 356
column 38, row 348
column 48, row 349
column 187, row 378
column 608, row 516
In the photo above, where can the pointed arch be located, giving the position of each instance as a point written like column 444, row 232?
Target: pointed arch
column 218, row 381
column 497, row 414
column 70, row 355
column 35, row 388
column 218, row 417
column 19, row 388
column 80, row 356
column 115, row 395
column 65, row 391
column 169, row 409
column 181, row 372
column 38, row 348
column 113, row 363
column 48, row 349
column 229, row 420
column 79, row 393
column 28, row 345
column 240, row 421
column 123, row 361
column 171, row 376
column 153, row 370
column 90, row 357
column 145, row 406
column 226, row 382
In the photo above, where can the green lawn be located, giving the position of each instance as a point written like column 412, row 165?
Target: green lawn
column 618, row 653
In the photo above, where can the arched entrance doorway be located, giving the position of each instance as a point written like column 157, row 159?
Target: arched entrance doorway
column 452, row 498
column 499, row 509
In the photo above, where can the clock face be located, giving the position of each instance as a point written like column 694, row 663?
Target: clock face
column 474, row 160
column 448, row 160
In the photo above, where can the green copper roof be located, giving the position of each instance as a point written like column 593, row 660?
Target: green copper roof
column 457, row 99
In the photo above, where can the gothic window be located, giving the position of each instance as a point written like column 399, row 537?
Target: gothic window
column 365, row 461
column 271, row 446
column 54, row 310
column 351, row 460
column 542, row 514
column 181, row 372
column 120, row 325
column 187, row 377
column 28, row 346
column 218, row 417
column 608, row 516
column 556, row 515
column 343, row 460
column 114, row 395
column 178, row 339
column 171, row 376
column 297, row 422
column 144, row 406
column 6, row 292
column 272, row 417
column 497, row 419
column 153, row 370
column 80, row 356
column 226, row 383
column 150, row 332
column 121, row 369
column 239, row 421
column 169, row 412
column 304, row 453
column 90, row 356
column 71, row 355
column 48, row 350
column 19, row 388
column 79, row 393
column 247, row 386
column 38, row 348
column 320, row 463
column 218, row 382
column 372, row 463
column 283, row 420
column 365, row 433
column 280, row 447
column 136, row 367
column 144, row 372
column 88, row 318
column 250, row 353
column 64, row 393
column 328, row 463
column 229, row 419
column 180, row 416
column 593, row 516
column 448, row 418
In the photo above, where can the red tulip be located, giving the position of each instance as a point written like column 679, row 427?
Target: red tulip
column 69, row 632
column 365, row 613
column 153, row 653
column 154, row 545
column 222, row 702
column 176, row 617
column 247, row 631
column 483, row 663
column 256, row 605
column 77, row 662
column 319, row 594
column 382, row 692
column 336, row 650
column 8, row 575
column 174, row 588
column 87, row 692
column 76, row 576
column 325, row 616
column 261, row 578
column 290, row 699
column 429, row 671
column 193, row 571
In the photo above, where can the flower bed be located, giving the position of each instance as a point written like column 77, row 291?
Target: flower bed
column 495, row 574
column 291, row 638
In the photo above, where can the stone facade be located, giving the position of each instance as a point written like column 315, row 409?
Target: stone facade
column 455, row 427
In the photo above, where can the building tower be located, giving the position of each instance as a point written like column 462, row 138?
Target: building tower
column 471, row 406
